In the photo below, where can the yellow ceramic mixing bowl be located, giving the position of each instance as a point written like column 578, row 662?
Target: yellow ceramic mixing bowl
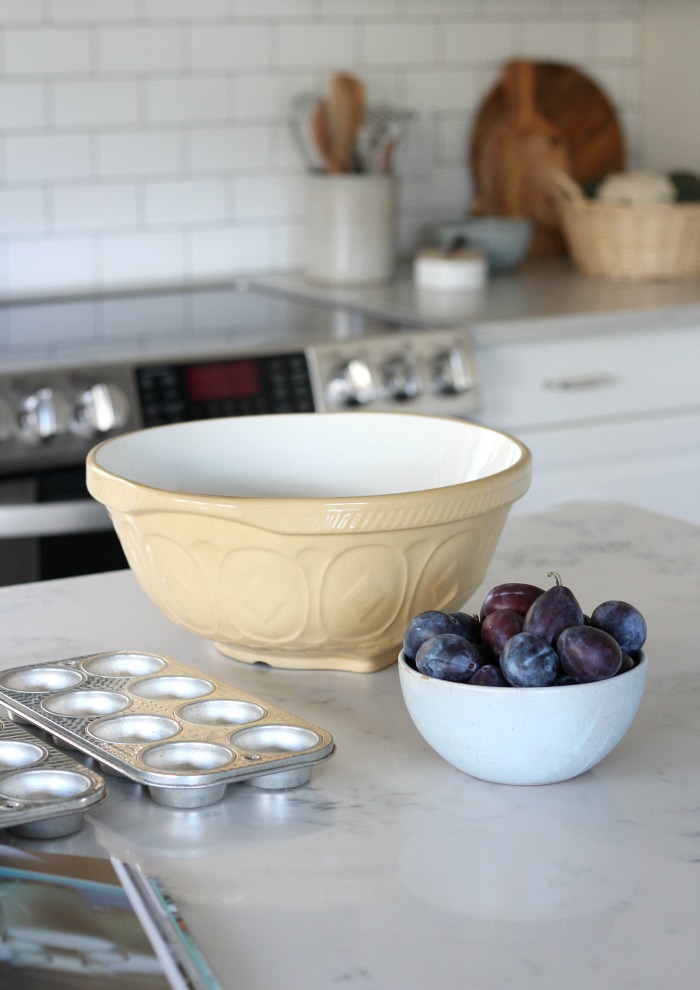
column 309, row 540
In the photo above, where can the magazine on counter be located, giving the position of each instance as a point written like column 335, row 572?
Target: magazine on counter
column 79, row 921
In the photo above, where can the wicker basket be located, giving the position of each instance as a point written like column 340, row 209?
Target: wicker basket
column 628, row 242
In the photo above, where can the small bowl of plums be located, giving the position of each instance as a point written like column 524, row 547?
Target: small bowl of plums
column 531, row 690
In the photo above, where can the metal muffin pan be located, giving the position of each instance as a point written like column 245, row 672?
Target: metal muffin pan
column 44, row 793
column 150, row 718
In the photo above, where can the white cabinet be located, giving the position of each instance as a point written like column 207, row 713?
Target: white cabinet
column 609, row 407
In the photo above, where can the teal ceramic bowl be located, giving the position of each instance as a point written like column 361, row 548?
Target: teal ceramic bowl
column 504, row 241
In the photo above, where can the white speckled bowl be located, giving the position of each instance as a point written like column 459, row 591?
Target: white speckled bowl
column 309, row 541
column 522, row 735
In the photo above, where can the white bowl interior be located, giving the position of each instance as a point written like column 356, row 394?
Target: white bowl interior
column 310, row 455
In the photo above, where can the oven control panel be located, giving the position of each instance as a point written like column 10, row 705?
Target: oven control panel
column 433, row 372
column 429, row 371
column 52, row 416
column 173, row 392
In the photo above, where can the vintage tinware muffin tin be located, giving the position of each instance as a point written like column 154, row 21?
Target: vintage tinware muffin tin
column 44, row 793
column 150, row 718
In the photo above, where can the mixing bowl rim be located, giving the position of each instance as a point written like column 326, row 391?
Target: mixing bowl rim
column 406, row 670
column 507, row 476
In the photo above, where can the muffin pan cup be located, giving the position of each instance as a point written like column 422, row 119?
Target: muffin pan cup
column 44, row 793
column 147, row 717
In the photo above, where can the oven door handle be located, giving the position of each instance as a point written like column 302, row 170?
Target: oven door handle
column 52, row 518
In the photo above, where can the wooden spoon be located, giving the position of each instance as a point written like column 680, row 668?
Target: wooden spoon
column 322, row 136
column 346, row 110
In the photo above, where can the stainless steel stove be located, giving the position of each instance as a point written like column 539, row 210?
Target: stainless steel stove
column 139, row 360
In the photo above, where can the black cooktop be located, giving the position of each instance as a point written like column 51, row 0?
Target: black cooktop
column 191, row 320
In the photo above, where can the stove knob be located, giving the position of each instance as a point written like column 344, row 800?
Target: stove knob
column 43, row 416
column 452, row 374
column 6, row 421
column 352, row 384
column 400, row 378
column 99, row 409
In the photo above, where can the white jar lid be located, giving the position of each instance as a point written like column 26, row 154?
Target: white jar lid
column 449, row 270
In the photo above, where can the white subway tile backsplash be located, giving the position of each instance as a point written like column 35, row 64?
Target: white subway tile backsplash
column 440, row 89
column 47, row 51
column 22, row 211
column 618, row 84
column 82, row 11
column 604, row 8
column 231, row 46
column 230, row 147
column 363, row 9
column 94, row 207
column 288, row 245
column 261, row 95
column 444, row 194
column 397, row 43
column 187, row 99
column 291, row 152
column 143, row 258
column 21, row 11
column 184, row 10
column 47, row 157
column 139, row 48
column 22, row 106
column 320, row 44
column 631, row 130
column 140, row 153
column 50, row 264
column 488, row 41
column 5, row 287
column 185, row 201
column 616, row 39
column 386, row 84
column 451, row 139
column 515, row 8
column 569, row 39
column 147, row 141
column 268, row 197
column 222, row 252
column 417, row 153
column 269, row 9
column 95, row 102
column 449, row 9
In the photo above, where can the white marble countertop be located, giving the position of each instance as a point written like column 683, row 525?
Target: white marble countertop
column 391, row 869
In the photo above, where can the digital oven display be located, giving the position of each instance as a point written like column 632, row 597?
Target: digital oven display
column 223, row 380
column 270, row 383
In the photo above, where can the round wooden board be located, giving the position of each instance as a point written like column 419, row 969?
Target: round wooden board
column 575, row 104
column 582, row 115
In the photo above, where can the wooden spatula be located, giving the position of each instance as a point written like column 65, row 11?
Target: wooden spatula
column 321, row 131
column 346, row 110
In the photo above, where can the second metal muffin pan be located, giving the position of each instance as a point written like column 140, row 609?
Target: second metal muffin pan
column 44, row 793
column 150, row 718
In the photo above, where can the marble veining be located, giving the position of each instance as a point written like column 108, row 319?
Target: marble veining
column 393, row 869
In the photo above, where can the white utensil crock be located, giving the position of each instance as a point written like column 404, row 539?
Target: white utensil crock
column 352, row 229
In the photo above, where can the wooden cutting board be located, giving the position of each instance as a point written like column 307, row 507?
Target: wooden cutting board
column 540, row 115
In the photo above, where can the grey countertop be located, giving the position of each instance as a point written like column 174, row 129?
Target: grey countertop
column 541, row 293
